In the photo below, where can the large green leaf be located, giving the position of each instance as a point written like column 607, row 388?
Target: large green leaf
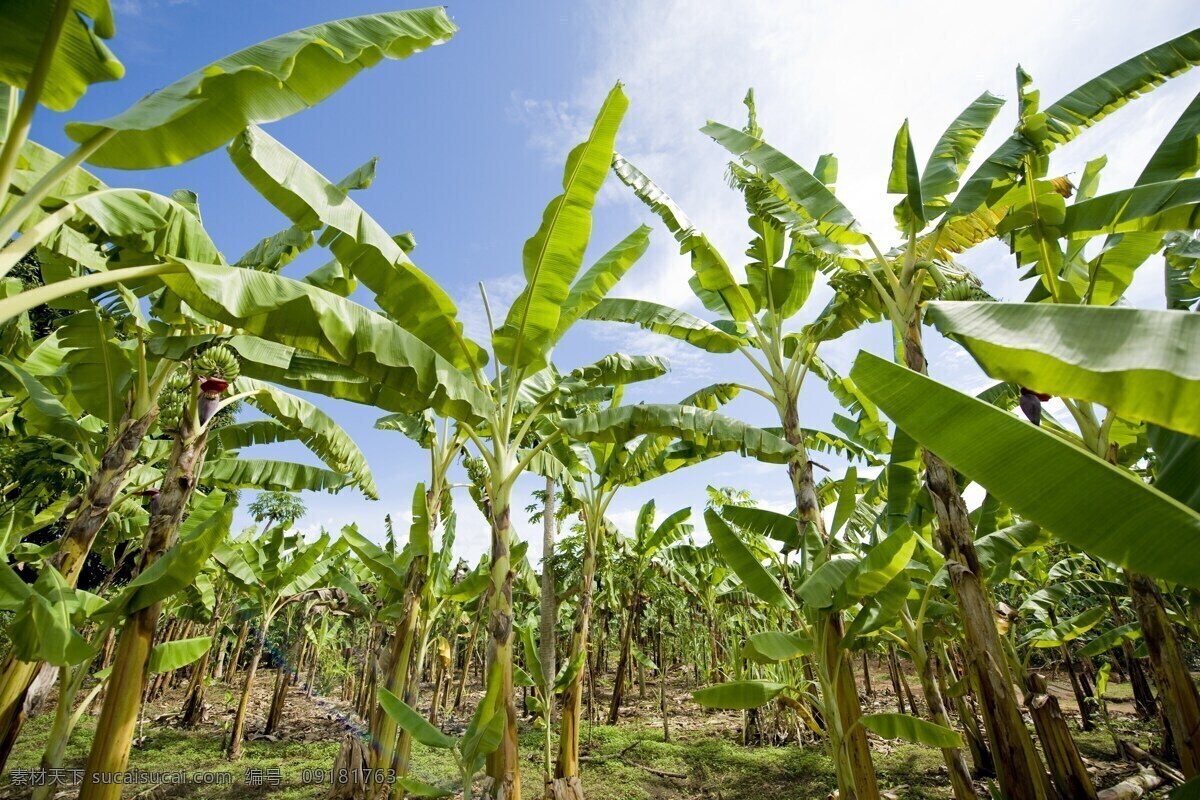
column 1139, row 363
column 270, row 475
column 903, row 482
column 801, row 186
column 953, row 151
column 263, row 83
column 999, row 549
column 385, row 567
column 553, row 256
column 712, row 281
column 669, row 531
column 772, row 647
column 906, row 180
column 910, row 729
column 80, row 59
column 738, row 694
column 247, row 434
column 134, row 221
column 1069, row 629
column 321, row 323
column 619, row 369
column 42, row 629
column 276, row 251
column 95, row 369
column 420, row 428
column 846, row 500
column 744, row 563
column 594, row 284
column 361, row 245
column 296, row 369
column 469, row 587
column 200, row 534
column 416, row 788
column 1177, row 156
column 168, row 656
column 33, row 162
column 881, row 564
column 1081, row 108
column 1163, row 206
column 1097, row 507
column 41, row 410
column 411, row 720
column 1110, row 639
column 315, row 428
column 307, row 565
column 707, row 429
column 765, row 522
column 1177, row 458
column 666, row 321
column 1094, row 100
column 532, row 659
column 823, row 586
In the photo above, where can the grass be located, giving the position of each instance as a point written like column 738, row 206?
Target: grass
column 704, row 758
column 710, row 763
column 169, row 750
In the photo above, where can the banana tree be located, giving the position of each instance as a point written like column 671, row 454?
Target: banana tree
column 754, row 315
column 413, row 587
column 482, row 736
column 276, row 570
column 1135, row 231
column 647, row 542
column 896, row 285
column 425, row 568
column 264, row 83
column 42, row 627
column 621, row 457
column 294, row 418
column 1151, row 400
column 418, row 359
column 497, row 417
column 152, row 133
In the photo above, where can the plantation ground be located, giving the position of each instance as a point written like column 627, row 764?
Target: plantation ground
column 704, row 760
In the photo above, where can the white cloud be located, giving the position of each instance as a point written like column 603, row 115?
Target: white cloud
column 555, row 126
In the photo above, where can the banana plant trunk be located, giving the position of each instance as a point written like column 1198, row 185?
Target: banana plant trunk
column 469, row 652
column 662, row 685
column 504, row 763
column 981, row 756
column 623, row 658
column 193, row 698
column 548, row 618
column 566, row 784
column 1083, row 697
column 1143, row 696
column 384, row 753
column 1019, row 768
column 848, row 739
column 235, row 658
column 283, row 679
column 237, row 730
column 956, row 762
column 17, row 676
column 127, row 685
column 1067, row 770
column 1180, row 701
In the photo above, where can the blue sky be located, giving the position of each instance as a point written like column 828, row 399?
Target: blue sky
column 471, row 137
